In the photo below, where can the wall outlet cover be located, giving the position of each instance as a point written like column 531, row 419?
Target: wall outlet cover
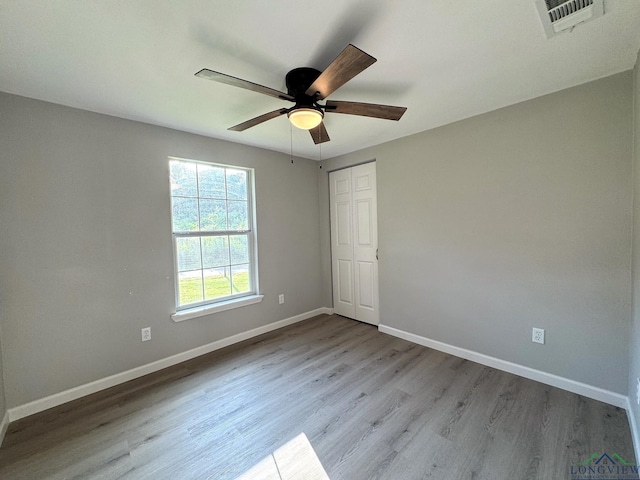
column 537, row 335
column 146, row 334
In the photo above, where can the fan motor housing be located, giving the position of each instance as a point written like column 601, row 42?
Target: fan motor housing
column 298, row 80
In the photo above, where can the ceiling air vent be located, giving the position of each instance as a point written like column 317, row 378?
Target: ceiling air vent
column 560, row 15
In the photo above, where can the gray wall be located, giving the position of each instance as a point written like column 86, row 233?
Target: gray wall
column 516, row 218
column 85, row 250
column 634, row 361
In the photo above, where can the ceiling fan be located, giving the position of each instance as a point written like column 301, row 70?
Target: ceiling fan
column 306, row 87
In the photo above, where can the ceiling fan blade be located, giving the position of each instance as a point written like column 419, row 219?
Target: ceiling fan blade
column 258, row 120
column 319, row 134
column 347, row 65
column 238, row 82
column 386, row 112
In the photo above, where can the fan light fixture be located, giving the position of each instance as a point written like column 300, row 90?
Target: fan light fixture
column 305, row 118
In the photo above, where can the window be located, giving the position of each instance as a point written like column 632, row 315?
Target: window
column 213, row 234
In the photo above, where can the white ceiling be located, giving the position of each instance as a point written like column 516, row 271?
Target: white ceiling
column 444, row 60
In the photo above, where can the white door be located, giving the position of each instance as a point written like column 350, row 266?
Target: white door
column 354, row 242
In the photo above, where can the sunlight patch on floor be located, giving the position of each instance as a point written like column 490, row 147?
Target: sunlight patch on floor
column 295, row 460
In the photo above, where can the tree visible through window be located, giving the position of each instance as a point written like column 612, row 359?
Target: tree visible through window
column 212, row 232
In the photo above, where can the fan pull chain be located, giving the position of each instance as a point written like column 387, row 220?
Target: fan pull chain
column 291, row 136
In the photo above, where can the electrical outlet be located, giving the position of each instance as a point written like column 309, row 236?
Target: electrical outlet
column 538, row 335
column 281, row 298
column 146, row 334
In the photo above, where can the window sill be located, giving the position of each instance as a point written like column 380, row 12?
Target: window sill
column 196, row 312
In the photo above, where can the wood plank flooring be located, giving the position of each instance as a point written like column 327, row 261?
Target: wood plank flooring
column 372, row 406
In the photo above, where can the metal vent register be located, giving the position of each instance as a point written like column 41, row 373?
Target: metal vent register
column 559, row 16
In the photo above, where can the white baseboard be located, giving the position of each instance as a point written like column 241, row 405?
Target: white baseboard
column 4, row 424
column 633, row 425
column 584, row 389
column 42, row 404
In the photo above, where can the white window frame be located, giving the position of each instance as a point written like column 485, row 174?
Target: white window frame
column 206, row 307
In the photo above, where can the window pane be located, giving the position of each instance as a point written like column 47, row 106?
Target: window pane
column 213, row 215
column 240, row 278
column 236, row 184
column 188, row 253
column 212, row 199
column 183, row 179
column 190, row 287
column 185, row 214
column 239, row 246
column 211, row 181
column 215, row 251
column 217, row 283
column 238, row 215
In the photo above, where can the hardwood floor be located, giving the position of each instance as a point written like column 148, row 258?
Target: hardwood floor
column 372, row 406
